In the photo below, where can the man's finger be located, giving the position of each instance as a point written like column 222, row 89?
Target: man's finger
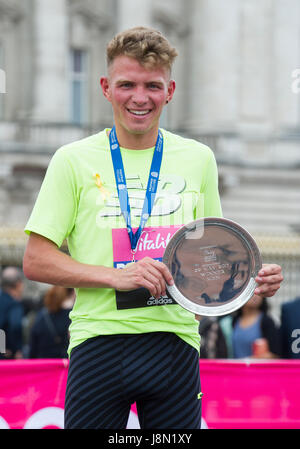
column 267, row 290
column 268, row 269
column 269, row 279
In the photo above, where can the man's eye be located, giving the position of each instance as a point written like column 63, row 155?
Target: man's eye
column 126, row 85
column 154, row 86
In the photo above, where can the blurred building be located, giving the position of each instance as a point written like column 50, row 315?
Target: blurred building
column 235, row 92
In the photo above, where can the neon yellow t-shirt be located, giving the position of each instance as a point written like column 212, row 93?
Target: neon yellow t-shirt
column 78, row 201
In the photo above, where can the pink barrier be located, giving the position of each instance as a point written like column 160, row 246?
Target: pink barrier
column 32, row 393
column 253, row 395
column 236, row 394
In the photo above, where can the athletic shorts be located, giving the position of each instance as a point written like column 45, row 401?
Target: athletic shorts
column 158, row 371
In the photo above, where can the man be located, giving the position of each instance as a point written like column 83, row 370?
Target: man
column 11, row 311
column 129, row 342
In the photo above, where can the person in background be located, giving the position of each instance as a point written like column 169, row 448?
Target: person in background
column 49, row 337
column 12, row 312
column 213, row 343
column 251, row 332
column 290, row 329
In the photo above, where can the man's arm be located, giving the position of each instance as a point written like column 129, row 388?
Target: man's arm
column 44, row 262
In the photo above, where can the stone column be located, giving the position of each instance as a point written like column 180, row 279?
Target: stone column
column 51, row 61
column 286, row 73
column 213, row 69
column 132, row 13
column 256, row 63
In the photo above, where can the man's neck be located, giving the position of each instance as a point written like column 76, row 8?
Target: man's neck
column 136, row 141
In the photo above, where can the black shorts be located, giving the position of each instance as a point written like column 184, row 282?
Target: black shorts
column 158, row 371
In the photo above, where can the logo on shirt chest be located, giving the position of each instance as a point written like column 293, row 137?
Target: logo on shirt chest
column 167, row 199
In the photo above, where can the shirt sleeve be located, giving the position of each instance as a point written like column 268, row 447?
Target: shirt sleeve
column 211, row 203
column 54, row 213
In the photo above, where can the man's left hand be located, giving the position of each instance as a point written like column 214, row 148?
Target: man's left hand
column 268, row 279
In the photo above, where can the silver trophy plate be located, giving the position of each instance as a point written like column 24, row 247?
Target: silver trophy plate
column 214, row 262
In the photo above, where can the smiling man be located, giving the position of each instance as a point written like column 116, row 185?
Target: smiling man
column 138, row 96
column 107, row 195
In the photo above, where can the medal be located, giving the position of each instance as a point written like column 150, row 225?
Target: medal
column 123, row 191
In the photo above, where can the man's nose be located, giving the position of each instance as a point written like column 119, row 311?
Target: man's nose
column 140, row 96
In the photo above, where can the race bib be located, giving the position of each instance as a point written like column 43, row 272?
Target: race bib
column 152, row 243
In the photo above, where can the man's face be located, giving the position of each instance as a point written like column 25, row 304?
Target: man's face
column 137, row 95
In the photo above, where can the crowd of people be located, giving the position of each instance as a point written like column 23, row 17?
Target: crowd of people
column 252, row 332
column 40, row 329
column 34, row 329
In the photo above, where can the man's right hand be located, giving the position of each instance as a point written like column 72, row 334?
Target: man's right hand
column 148, row 273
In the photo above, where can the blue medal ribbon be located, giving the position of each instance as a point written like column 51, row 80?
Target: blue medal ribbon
column 122, row 186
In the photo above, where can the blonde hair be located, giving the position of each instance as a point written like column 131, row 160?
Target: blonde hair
column 147, row 45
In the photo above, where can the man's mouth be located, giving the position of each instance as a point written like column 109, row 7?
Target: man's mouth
column 139, row 112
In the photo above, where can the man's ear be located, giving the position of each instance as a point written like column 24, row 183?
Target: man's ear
column 104, row 83
column 171, row 90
